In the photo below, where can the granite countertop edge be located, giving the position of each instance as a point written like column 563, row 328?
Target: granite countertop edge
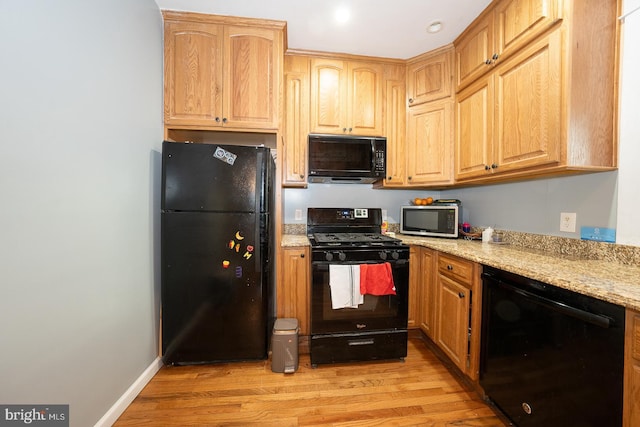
column 602, row 279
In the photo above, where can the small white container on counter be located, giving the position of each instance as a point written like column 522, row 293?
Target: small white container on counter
column 486, row 235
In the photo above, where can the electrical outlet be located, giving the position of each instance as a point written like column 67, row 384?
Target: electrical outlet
column 568, row 222
column 298, row 215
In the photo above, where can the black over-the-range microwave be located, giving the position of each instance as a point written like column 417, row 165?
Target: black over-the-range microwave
column 346, row 159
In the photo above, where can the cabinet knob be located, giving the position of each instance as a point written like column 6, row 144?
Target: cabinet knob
column 487, row 167
column 217, row 119
column 449, row 267
column 301, row 176
column 301, row 255
column 410, row 100
column 224, row 120
column 494, row 166
column 488, row 62
column 344, row 130
column 409, row 178
column 495, row 57
column 350, row 129
column 461, row 294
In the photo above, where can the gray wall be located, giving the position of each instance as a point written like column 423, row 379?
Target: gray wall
column 535, row 206
column 81, row 116
column 348, row 195
column 531, row 206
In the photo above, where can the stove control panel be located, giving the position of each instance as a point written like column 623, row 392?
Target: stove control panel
column 360, row 255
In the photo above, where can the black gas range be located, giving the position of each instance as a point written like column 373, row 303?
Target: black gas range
column 375, row 327
column 351, row 234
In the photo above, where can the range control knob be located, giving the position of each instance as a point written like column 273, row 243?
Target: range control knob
column 328, row 256
column 382, row 255
column 395, row 255
column 342, row 256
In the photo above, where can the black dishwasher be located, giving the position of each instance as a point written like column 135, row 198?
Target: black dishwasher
column 550, row 356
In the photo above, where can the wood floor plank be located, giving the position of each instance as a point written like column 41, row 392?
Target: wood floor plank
column 419, row 391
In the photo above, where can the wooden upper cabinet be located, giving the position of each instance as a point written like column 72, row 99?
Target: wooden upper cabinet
column 192, row 72
column 548, row 104
column 296, row 121
column 395, row 117
column 517, row 22
column 524, row 128
column 221, row 75
column 429, row 143
column 253, row 57
column 472, row 51
column 346, row 97
column 429, row 76
column 501, row 30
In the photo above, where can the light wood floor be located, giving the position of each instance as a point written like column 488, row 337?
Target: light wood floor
column 417, row 392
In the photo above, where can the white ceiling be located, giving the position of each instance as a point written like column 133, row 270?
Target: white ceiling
column 386, row 28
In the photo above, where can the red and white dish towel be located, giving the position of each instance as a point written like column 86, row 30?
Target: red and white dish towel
column 349, row 283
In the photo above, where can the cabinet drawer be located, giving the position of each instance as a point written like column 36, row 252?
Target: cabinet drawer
column 456, row 268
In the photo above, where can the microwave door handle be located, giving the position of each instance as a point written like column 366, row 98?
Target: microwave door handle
column 373, row 156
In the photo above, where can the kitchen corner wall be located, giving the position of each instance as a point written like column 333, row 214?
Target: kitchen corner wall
column 81, row 114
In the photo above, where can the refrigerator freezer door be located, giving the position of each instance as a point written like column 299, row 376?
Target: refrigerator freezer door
column 216, row 178
column 214, row 296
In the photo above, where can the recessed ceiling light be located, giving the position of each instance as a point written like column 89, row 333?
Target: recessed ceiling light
column 342, row 15
column 434, row 27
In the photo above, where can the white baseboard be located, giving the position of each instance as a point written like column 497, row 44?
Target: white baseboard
column 125, row 400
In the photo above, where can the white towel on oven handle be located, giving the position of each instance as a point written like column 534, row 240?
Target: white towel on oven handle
column 344, row 281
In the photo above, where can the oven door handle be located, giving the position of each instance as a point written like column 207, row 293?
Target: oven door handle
column 595, row 319
column 324, row 265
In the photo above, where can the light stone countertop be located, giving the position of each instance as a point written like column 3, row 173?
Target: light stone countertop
column 606, row 280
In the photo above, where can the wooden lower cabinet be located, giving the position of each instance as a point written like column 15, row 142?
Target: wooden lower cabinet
column 292, row 292
column 415, row 294
column 448, row 290
column 425, row 283
column 631, row 415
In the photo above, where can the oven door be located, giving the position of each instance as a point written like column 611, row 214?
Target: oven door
column 388, row 312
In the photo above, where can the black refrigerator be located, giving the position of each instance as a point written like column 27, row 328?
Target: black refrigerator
column 216, row 252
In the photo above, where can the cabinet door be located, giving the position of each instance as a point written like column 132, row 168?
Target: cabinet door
column 253, row 64
column 429, row 143
column 631, row 411
column 193, row 73
column 293, row 292
column 528, row 107
column 415, row 292
column 430, row 78
column 474, row 129
column 427, row 292
column 364, row 100
column 328, row 96
column 395, row 96
column 296, row 123
column 472, row 51
column 452, row 322
column 517, row 22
